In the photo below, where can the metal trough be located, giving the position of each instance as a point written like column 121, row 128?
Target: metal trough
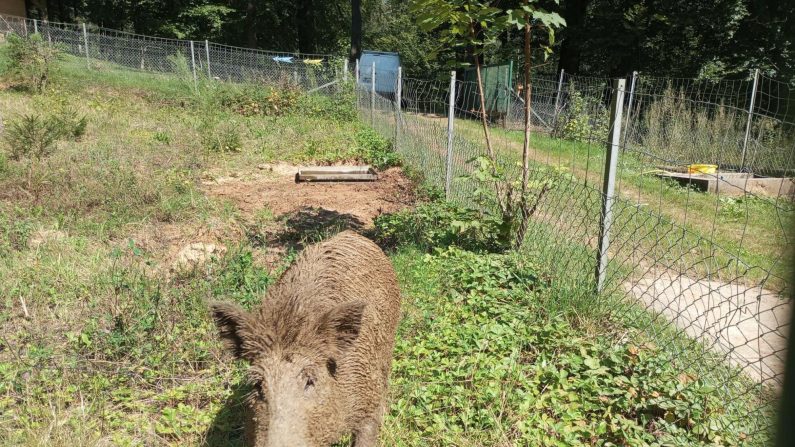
column 336, row 174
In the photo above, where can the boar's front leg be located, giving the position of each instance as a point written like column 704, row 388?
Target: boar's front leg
column 366, row 435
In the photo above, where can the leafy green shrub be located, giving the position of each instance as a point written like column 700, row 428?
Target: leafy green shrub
column 585, row 120
column 500, row 199
column 375, row 149
column 222, row 136
column 436, row 224
column 31, row 61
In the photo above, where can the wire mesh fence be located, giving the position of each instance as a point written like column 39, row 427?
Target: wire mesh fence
column 697, row 262
column 108, row 48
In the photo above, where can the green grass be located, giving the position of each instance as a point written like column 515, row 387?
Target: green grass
column 483, row 358
column 99, row 344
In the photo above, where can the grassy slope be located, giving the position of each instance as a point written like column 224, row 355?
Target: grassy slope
column 97, row 345
column 98, row 348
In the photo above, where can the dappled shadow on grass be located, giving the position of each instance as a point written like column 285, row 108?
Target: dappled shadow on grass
column 227, row 429
column 312, row 224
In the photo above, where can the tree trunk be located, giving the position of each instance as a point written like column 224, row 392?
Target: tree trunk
column 483, row 116
column 251, row 24
column 571, row 48
column 502, row 202
column 528, row 61
column 356, row 31
column 305, row 22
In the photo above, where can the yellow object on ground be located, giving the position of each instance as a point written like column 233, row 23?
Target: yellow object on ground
column 702, row 169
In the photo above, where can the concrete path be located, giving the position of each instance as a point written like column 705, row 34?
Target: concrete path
column 747, row 326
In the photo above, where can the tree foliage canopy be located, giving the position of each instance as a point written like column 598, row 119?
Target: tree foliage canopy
column 682, row 38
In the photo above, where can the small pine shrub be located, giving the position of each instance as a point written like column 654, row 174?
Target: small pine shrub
column 31, row 62
column 32, row 136
column 70, row 123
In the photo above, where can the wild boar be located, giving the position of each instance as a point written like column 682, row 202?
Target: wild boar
column 319, row 346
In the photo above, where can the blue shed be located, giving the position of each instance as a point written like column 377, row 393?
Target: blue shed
column 386, row 69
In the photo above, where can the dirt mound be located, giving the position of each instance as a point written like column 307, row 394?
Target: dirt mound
column 276, row 190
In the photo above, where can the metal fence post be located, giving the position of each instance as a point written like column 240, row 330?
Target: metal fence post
column 398, row 106
column 49, row 36
column 629, row 107
column 35, row 26
column 207, row 55
column 85, row 45
column 25, row 25
column 193, row 66
column 345, row 70
column 557, row 96
column 750, row 118
column 372, row 96
column 356, row 85
column 609, row 186
column 448, row 180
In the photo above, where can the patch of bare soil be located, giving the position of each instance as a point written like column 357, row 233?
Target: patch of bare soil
column 168, row 242
column 301, row 212
column 277, row 191
column 748, row 326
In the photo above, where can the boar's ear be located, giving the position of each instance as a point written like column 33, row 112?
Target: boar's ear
column 341, row 324
column 238, row 330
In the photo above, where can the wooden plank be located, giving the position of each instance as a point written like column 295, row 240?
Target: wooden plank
column 336, row 174
column 334, row 177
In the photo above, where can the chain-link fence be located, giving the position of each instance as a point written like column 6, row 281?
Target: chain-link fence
column 677, row 119
column 696, row 261
column 107, row 49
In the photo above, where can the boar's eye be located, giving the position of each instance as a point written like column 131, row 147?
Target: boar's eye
column 331, row 366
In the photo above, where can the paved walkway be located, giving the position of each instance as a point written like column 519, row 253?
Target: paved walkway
column 747, row 326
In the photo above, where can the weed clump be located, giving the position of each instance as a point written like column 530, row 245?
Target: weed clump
column 482, row 358
column 340, row 107
column 223, row 136
column 256, row 100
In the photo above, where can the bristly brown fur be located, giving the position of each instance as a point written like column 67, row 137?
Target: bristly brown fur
column 336, row 310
